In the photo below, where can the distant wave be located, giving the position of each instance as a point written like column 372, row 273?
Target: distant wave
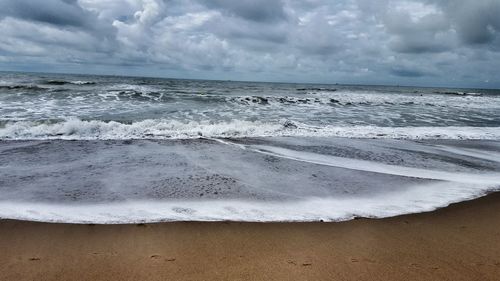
column 337, row 98
column 317, row 89
column 40, row 86
column 131, row 94
column 323, row 98
column 458, row 93
column 21, row 87
column 64, row 82
column 75, row 129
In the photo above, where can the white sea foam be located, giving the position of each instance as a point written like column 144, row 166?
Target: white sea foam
column 417, row 199
column 474, row 153
column 82, row 82
column 371, row 166
column 75, row 129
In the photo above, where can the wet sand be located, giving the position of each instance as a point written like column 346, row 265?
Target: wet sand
column 460, row 242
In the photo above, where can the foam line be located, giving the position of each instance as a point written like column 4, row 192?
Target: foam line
column 475, row 153
column 416, row 199
column 369, row 166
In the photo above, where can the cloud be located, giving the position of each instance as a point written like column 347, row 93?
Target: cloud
column 253, row 10
column 476, row 22
column 415, row 30
column 55, row 12
column 352, row 41
column 406, row 72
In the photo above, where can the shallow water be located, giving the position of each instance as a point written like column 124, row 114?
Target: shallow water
column 260, row 179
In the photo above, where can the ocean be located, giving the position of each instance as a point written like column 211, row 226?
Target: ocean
column 110, row 149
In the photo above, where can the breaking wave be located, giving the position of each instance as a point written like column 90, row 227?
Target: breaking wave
column 76, row 129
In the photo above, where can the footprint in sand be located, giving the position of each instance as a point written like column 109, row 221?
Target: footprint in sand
column 362, row 260
column 415, row 265
column 157, row 257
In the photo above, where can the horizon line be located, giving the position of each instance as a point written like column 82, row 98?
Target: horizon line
column 250, row 81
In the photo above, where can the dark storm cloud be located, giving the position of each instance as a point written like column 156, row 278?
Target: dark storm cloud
column 56, row 12
column 405, row 72
column 470, row 22
column 426, row 35
column 354, row 41
column 477, row 22
column 254, row 10
column 242, row 30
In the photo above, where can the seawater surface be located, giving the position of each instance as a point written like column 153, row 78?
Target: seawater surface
column 101, row 149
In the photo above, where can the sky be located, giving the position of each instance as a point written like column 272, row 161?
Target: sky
column 403, row 42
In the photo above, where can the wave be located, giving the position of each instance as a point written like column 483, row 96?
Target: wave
column 153, row 96
column 347, row 98
column 64, row 82
column 467, row 101
column 317, row 89
column 324, row 100
column 458, row 93
column 32, row 87
column 76, row 129
column 22, row 87
column 420, row 198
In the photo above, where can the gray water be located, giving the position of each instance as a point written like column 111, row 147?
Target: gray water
column 43, row 106
column 103, row 149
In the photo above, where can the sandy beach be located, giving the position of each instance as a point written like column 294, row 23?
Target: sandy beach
column 460, row 242
column 249, row 140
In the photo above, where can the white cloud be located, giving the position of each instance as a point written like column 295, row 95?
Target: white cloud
column 364, row 41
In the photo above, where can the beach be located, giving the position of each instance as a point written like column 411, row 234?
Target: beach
column 135, row 178
column 459, row 242
column 249, row 140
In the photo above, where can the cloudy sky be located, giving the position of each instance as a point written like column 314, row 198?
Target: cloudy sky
column 412, row 42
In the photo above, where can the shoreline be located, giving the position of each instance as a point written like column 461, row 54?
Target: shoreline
column 458, row 242
column 343, row 220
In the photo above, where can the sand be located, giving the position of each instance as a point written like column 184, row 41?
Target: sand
column 460, row 242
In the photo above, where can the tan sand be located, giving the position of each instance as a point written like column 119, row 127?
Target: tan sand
column 460, row 242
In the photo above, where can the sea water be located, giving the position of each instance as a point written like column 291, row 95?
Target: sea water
column 107, row 149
